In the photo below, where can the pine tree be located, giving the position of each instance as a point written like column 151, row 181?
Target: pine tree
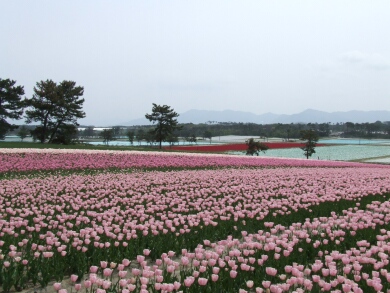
column 11, row 105
column 164, row 117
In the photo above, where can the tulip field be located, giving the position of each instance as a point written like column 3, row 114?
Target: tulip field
column 126, row 221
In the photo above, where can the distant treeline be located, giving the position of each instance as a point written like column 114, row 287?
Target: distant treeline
column 286, row 131
column 291, row 131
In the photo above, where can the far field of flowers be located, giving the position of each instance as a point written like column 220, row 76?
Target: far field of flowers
column 176, row 222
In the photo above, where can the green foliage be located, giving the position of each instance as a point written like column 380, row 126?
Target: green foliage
column 11, row 105
column 311, row 138
column 207, row 134
column 89, row 131
column 166, row 122
column 172, row 139
column 149, row 136
column 54, row 106
column 140, row 135
column 255, row 147
column 23, row 132
column 107, row 135
column 191, row 138
column 38, row 134
column 130, row 135
column 66, row 134
column 116, row 131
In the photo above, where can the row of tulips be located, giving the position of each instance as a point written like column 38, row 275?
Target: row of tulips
column 267, row 260
column 16, row 160
column 108, row 211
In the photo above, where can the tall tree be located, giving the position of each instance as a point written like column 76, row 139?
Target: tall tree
column 130, row 135
column 208, row 134
column 70, row 106
column 89, row 131
column 107, row 135
column 54, row 106
column 166, row 122
column 11, row 105
column 116, row 131
column 140, row 135
column 311, row 138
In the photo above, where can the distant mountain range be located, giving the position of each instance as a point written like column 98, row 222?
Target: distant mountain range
column 307, row 116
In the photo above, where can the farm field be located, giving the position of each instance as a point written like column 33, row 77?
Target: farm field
column 235, row 147
column 335, row 152
column 127, row 221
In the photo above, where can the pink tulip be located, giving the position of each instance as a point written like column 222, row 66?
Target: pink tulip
column 189, row 281
column 87, row 284
column 73, row 278
column 107, row 272
column 249, row 284
column 106, row 284
column 233, row 274
column 271, row 271
column 57, row 286
column 126, row 262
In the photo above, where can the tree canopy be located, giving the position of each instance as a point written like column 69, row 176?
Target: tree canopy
column 55, row 106
column 130, row 135
column 311, row 138
column 23, row 132
column 107, row 135
column 165, row 119
column 208, row 134
column 11, row 104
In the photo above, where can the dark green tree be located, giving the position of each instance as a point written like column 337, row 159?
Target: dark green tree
column 130, row 135
column 165, row 119
column 140, row 135
column 107, row 135
column 88, row 131
column 117, row 131
column 65, row 134
column 208, row 134
column 150, row 137
column 11, row 105
column 36, row 133
column 54, row 106
column 255, row 147
column 311, row 138
column 23, row 132
column 193, row 138
column 172, row 139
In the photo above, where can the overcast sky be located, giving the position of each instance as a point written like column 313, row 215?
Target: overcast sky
column 256, row 56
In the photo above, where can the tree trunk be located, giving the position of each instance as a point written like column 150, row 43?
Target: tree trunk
column 54, row 132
